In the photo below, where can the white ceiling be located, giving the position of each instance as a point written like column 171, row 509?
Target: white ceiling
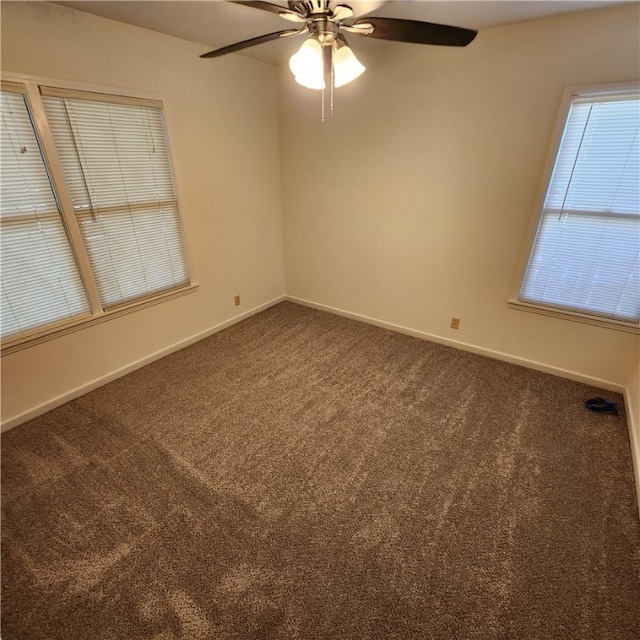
column 215, row 23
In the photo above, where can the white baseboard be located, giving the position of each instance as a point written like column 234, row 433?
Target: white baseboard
column 138, row 364
column 633, row 419
column 464, row 346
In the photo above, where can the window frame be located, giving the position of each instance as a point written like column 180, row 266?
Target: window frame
column 569, row 94
column 33, row 87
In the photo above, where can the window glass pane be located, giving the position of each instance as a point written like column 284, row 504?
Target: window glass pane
column 41, row 284
column 586, row 255
column 116, row 165
column 597, row 167
column 586, row 263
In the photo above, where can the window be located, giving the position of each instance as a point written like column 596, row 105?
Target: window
column 89, row 213
column 586, row 255
column 41, row 284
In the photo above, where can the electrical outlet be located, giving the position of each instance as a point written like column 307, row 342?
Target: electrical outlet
column 236, row 300
column 455, row 323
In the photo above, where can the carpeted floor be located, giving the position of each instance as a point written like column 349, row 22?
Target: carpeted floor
column 303, row 476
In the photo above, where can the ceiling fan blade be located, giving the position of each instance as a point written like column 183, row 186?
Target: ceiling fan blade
column 363, row 29
column 417, row 32
column 252, row 42
column 342, row 12
column 289, row 14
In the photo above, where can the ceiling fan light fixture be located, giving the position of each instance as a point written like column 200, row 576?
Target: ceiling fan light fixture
column 346, row 67
column 310, row 82
column 306, row 65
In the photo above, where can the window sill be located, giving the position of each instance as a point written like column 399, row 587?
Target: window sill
column 24, row 342
column 617, row 325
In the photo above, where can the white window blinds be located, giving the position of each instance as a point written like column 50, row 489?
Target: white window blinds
column 89, row 213
column 586, row 255
column 117, row 171
column 41, row 284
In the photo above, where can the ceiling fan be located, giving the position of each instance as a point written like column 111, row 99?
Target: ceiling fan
column 324, row 57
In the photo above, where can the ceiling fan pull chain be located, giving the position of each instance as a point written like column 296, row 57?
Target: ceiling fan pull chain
column 332, row 83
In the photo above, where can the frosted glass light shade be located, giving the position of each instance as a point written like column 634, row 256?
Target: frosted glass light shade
column 306, row 65
column 346, row 67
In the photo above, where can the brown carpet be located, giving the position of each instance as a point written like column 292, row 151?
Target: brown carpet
column 304, row 476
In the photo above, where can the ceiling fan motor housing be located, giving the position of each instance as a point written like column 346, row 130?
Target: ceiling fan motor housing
column 324, row 30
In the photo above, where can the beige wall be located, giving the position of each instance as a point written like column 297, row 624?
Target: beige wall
column 411, row 204
column 222, row 123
